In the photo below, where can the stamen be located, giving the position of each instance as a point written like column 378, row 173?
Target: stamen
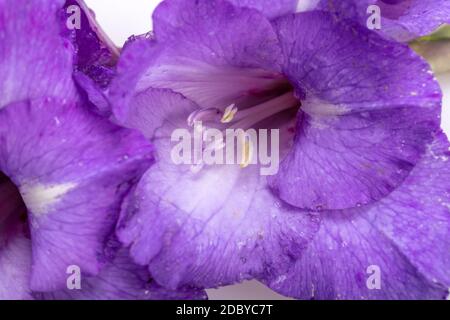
column 246, row 155
column 265, row 96
column 229, row 113
column 249, row 117
column 210, row 114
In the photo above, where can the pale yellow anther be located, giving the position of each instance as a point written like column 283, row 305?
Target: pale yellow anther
column 246, row 155
column 229, row 113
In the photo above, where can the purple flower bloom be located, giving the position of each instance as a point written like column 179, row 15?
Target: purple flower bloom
column 362, row 186
column 64, row 171
column 356, row 115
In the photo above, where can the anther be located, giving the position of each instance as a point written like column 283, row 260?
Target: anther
column 229, row 113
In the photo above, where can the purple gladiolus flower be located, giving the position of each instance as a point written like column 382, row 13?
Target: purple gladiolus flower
column 363, row 160
column 64, row 171
column 92, row 180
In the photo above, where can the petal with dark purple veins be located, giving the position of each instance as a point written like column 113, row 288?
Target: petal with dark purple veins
column 220, row 228
column 416, row 217
column 72, row 169
column 363, row 125
column 404, row 238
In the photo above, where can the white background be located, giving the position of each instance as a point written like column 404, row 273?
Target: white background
column 121, row 19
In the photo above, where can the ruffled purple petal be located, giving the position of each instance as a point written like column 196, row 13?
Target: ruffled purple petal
column 199, row 51
column 206, row 232
column 215, row 227
column 72, row 169
column 31, row 52
column 363, row 124
column 416, row 217
column 406, row 236
column 401, row 20
column 216, row 33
